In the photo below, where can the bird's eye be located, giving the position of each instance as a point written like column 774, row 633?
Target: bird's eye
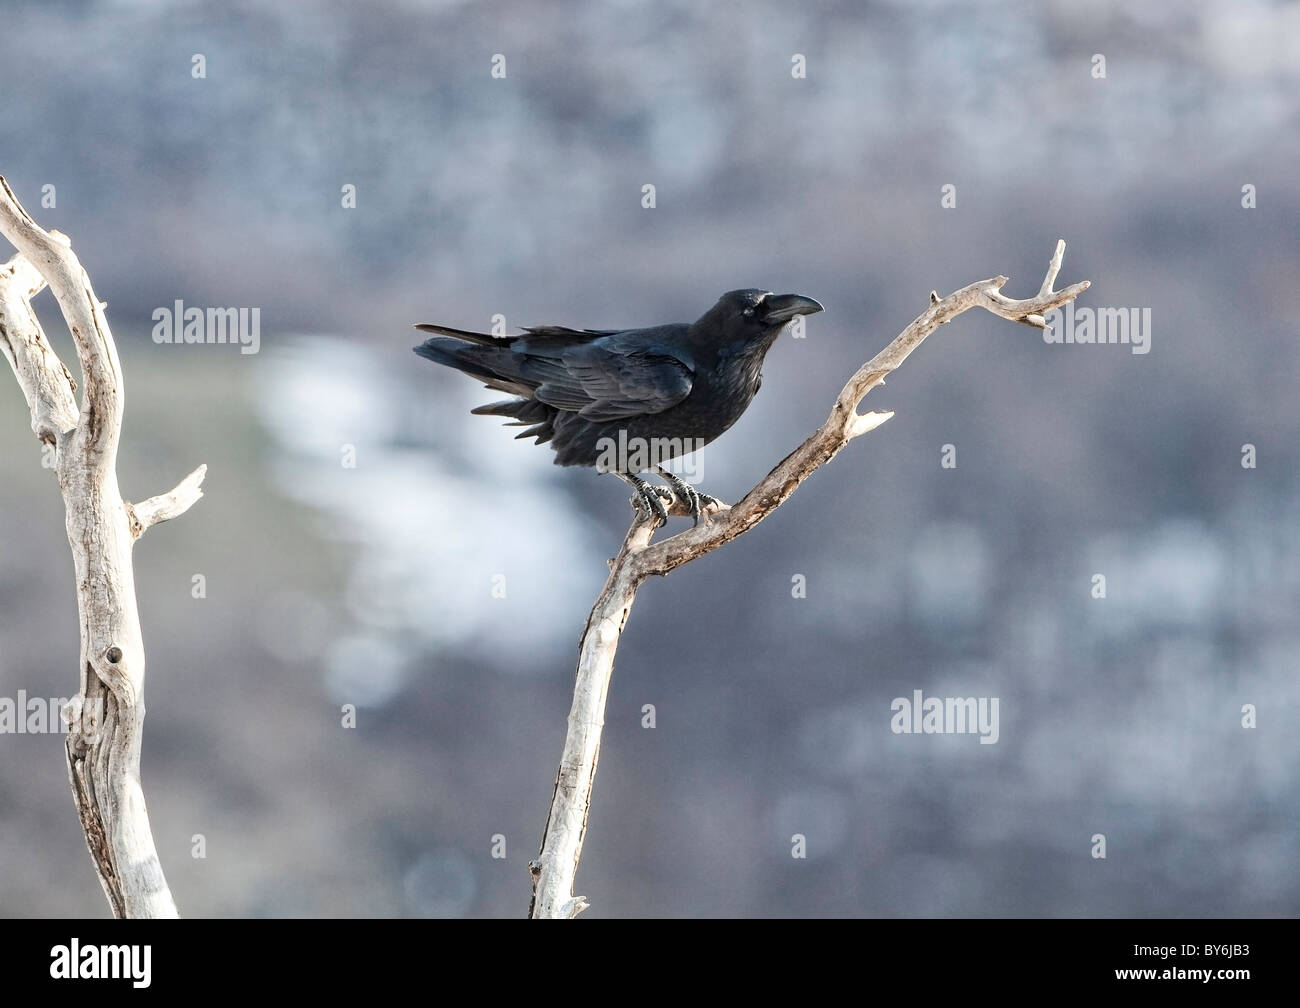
column 748, row 311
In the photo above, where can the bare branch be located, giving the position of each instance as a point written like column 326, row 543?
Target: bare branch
column 1053, row 268
column 51, row 253
column 106, row 717
column 557, row 864
column 46, row 384
column 164, row 507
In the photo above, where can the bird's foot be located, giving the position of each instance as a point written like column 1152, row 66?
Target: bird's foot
column 711, row 504
column 695, row 501
column 653, row 502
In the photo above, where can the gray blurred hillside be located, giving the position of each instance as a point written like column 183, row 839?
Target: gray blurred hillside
column 522, row 196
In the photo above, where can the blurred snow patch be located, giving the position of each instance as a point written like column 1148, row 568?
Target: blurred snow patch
column 441, row 518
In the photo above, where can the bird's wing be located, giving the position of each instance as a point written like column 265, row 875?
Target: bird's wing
column 612, row 378
column 565, row 334
column 537, row 335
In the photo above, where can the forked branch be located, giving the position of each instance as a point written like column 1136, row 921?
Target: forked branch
column 105, row 719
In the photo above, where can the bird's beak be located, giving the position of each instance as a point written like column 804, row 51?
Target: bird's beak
column 779, row 309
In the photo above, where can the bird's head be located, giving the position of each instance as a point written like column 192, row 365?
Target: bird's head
column 755, row 317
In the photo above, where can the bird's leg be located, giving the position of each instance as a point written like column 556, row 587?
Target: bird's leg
column 649, row 496
column 692, row 498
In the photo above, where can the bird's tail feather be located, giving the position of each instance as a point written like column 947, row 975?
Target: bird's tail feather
column 481, row 339
column 492, row 362
column 523, row 410
column 494, row 367
column 530, row 413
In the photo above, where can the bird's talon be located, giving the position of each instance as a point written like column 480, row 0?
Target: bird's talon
column 652, row 505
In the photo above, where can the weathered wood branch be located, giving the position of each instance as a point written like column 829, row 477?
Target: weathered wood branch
column 166, row 506
column 46, row 384
column 556, row 866
column 106, row 717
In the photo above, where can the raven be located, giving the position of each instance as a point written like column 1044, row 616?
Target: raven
column 626, row 400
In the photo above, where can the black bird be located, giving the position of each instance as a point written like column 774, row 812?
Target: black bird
column 627, row 400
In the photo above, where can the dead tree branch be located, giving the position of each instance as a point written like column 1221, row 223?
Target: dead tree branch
column 556, row 866
column 105, row 719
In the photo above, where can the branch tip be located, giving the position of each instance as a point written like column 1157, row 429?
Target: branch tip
column 866, row 422
column 164, row 507
column 1053, row 268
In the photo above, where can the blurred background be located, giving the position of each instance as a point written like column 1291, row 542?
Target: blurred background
column 521, row 196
